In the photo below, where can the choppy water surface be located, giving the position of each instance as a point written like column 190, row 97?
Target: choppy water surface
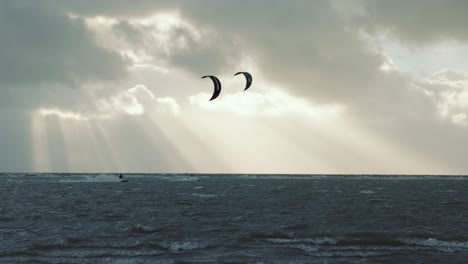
column 233, row 219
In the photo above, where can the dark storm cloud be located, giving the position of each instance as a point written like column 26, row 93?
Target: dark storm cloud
column 420, row 21
column 302, row 45
column 41, row 44
column 312, row 52
column 306, row 46
column 119, row 8
column 213, row 53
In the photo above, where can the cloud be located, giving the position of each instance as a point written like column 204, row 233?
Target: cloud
column 323, row 59
column 142, row 91
column 168, row 105
column 135, row 101
column 41, row 45
column 47, row 57
column 300, row 46
column 307, row 48
column 61, row 114
column 419, row 22
column 119, row 8
column 459, row 119
column 300, row 49
column 164, row 40
column 448, row 90
column 297, row 45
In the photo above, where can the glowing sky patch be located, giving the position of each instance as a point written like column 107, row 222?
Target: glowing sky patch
column 273, row 103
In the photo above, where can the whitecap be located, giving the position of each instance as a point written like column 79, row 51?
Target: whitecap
column 204, row 195
column 180, row 178
column 179, row 246
column 92, row 178
column 440, row 245
column 142, row 229
column 315, row 241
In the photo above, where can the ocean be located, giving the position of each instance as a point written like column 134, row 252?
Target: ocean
column 182, row 218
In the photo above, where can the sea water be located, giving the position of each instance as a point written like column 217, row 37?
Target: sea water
column 94, row 218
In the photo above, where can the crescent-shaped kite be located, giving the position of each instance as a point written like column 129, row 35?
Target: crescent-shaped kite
column 248, row 77
column 217, row 86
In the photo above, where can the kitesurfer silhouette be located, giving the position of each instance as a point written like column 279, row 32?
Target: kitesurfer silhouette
column 122, row 179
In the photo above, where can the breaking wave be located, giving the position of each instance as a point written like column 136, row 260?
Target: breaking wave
column 368, row 245
column 92, row 178
column 439, row 245
column 179, row 246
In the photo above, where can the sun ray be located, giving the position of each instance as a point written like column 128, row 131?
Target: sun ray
column 198, row 154
column 159, row 140
column 104, row 137
column 60, row 157
column 84, row 151
column 40, row 144
column 100, row 149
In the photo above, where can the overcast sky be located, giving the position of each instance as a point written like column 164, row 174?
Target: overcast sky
column 339, row 86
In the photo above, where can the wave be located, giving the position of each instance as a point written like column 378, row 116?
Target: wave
column 82, row 248
column 180, row 178
column 204, row 195
column 439, row 245
column 98, row 253
column 366, row 192
column 143, row 229
column 272, row 235
column 366, row 245
column 347, row 177
column 180, row 246
column 279, row 177
column 315, row 241
column 92, row 178
column 196, row 177
column 317, row 252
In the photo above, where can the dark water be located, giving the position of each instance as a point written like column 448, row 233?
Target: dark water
column 233, row 219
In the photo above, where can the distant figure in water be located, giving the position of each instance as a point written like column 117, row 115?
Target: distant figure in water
column 122, row 179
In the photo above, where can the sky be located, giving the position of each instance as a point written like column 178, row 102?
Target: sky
column 339, row 86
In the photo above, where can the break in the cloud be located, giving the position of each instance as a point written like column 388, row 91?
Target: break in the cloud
column 101, row 80
column 275, row 103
